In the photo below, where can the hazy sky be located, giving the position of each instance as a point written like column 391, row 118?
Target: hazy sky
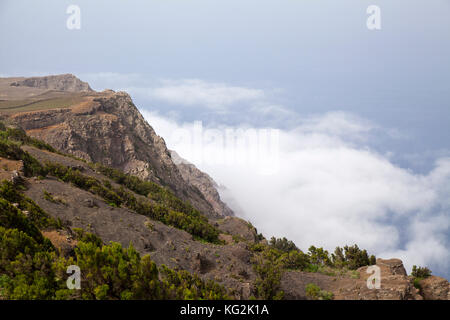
column 313, row 56
column 364, row 115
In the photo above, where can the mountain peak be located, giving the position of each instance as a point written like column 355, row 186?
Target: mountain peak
column 63, row 82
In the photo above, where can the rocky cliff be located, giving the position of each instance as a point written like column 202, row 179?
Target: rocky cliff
column 104, row 127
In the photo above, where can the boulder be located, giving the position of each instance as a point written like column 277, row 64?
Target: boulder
column 435, row 288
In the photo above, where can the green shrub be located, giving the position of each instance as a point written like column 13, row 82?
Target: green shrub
column 19, row 135
column 351, row 257
column 319, row 256
column 268, row 266
column 181, row 285
column 312, row 268
column 26, row 266
column 49, row 197
column 282, row 244
column 159, row 194
column 111, row 272
column 314, row 292
column 296, row 260
column 417, row 284
column 87, row 237
column 420, row 272
column 11, row 150
column 8, row 212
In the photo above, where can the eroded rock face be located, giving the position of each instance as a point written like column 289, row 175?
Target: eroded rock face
column 104, row 127
column 207, row 186
column 238, row 228
column 64, row 82
column 392, row 266
column 395, row 284
column 435, row 288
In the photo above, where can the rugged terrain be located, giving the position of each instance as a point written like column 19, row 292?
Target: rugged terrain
column 102, row 127
column 84, row 127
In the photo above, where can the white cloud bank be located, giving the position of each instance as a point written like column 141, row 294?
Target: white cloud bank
column 331, row 190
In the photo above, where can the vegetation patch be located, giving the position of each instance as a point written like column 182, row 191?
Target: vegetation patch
column 159, row 194
column 189, row 220
column 419, row 274
column 49, row 197
column 19, row 135
column 15, row 205
column 270, row 261
column 314, row 292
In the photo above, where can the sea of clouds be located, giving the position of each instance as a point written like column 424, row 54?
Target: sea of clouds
column 325, row 187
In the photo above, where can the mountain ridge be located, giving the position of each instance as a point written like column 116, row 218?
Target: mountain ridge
column 207, row 186
column 105, row 127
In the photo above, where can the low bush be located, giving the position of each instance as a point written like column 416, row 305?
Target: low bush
column 282, row 244
column 314, row 292
column 268, row 266
column 351, row 257
column 420, row 272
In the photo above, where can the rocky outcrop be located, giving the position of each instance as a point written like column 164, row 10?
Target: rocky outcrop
column 11, row 170
column 207, row 186
column 392, row 267
column 435, row 288
column 238, row 228
column 395, row 284
column 64, row 82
